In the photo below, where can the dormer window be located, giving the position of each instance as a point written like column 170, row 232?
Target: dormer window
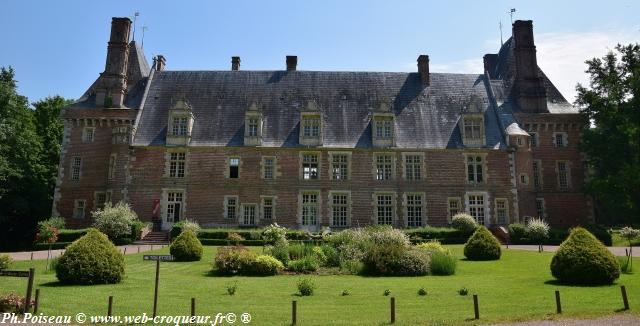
column 472, row 123
column 382, row 126
column 253, row 126
column 180, row 124
column 311, row 125
column 384, row 129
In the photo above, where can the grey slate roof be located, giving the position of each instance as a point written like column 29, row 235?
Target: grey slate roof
column 425, row 117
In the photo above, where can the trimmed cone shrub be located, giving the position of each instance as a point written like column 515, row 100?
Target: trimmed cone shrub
column 583, row 259
column 482, row 245
column 186, row 247
column 92, row 259
column 264, row 265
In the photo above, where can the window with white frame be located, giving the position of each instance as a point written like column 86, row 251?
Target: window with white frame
column 76, row 165
column 560, row 139
column 414, row 210
column 413, row 167
column 249, row 213
column 524, row 179
column 88, row 134
column 310, row 169
column 311, row 126
column 475, row 169
column 384, row 209
column 454, row 206
column 174, row 206
column 310, row 208
column 384, row 128
column 537, row 176
column 177, row 164
column 268, row 208
column 120, row 135
column 180, row 126
column 100, row 199
column 269, row 168
column 473, row 128
column 476, row 207
column 563, row 175
column 384, row 166
column 234, row 167
column 113, row 160
column 339, row 166
column 534, row 139
column 540, row 208
column 502, row 210
column 252, row 126
column 79, row 206
column 230, row 207
column 340, row 209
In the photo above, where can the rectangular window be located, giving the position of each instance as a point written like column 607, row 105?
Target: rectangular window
column 384, row 129
column 310, row 166
column 78, row 208
column 454, row 206
column 174, row 206
column 75, row 168
column 339, row 209
column 476, row 208
column 268, row 208
column 231, row 207
column 269, row 168
column 249, row 214
column 560, row 139
column 311, row 127
column 384, row 166
column 501, row 210
column 310, row 208
column 472, row 129
column 101, row 199
column 475, row 169
column 384, row 209
column 563, row 178
column 179, row 126
column 87, row 134
column 413, row 167
column 534, row 139
column 176, row 165
column 112, row 166
column 234, row 168
column 252, row 128
column 339, row 166
column 537, row 181
column 414, row 210
column 540, row 208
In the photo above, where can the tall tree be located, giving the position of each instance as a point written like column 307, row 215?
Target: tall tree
column 612, row 144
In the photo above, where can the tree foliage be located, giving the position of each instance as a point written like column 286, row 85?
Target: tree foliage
column 612, row 145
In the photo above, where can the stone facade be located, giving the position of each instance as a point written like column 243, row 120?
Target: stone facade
column 300, row 149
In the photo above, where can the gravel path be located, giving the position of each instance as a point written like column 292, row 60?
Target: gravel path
column 615, row 320
column 42, row 254
column 618, row 251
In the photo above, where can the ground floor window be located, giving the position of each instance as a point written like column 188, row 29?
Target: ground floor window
column 268, row 208
column 310, row 208
column 540, row 209
column 454, row 206
column 476, row 208
column 414, row 210
column 502, row 210
column 230, row 207
column 78, row 208
column 249, row 214
column 340, row 209
column 174, row 206
column 384, row 209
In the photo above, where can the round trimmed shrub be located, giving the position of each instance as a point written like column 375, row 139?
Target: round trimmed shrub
column 233, row 260
column 464, row 223
column 264, row 265
column 186, row 247
column 432, row 246
column 482, row 245
column 92, row 259
column 517, row 232
column 583, row 259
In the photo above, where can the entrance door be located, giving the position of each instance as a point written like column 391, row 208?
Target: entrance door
column 174, row 209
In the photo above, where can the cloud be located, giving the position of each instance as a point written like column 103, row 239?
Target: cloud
column 467, row 66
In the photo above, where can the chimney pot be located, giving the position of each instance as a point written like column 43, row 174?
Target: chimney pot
column 292, row 62
column 423, row 69
column 235, row 63
column 161, row 62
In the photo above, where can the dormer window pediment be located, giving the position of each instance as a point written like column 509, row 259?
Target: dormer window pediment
column 180, row 124
column 253, row 121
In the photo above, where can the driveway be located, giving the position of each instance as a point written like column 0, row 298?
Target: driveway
column 618, row 251
column 42, row 254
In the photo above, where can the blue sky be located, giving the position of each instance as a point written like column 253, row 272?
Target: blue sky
column 59, row 47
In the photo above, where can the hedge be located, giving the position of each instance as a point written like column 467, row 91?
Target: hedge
column 54, row 246
column 557, row 236
column 444, row 235
column 69, row 235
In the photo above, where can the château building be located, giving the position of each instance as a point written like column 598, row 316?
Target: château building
column 309, row 149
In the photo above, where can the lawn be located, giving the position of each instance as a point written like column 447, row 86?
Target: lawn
column 517, row 287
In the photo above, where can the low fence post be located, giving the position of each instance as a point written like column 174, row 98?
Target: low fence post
column 36, row 302
column 393, row 310
column 110, row 306
column 476, row 309
column 294, row 312
column 625, row 301
column 27, row 303
column 193, row 307
column 558, row 304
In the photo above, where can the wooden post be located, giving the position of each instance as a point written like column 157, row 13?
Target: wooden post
column 138, row 248
column 37, row 302
column 32, row 255
column 476, row 310
column 152, row 247
column 193, row 307
column 32, row 274
column 110, row 306
column 558, row 304
column 393, row 310
column 624, row 297
column 155, row 292
column 294, row 312
column 125, row 250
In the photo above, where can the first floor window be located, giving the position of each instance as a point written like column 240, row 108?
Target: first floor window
column 339, row 166
column 269, row 168
column 414, row 210
column 231, row 207
column 536, row 174
column 310, row 166
column 78, row 208
column 563, row 175
column 113, row 160
column 75, row 168
column 454, row 207
column 384, row 209
column 501, row 210
column 234, row 168
column 476, row 208
column 413, row 167
column 540, row 209
column 176, row 165
column 560, row 139
column 174, row 206
column 534, row 139
column 101, row 199
column 475, row 169
column 267, row 208
column 384, row 166
column 87, row 134
column 249, row 214
column 340, row 209
column 310, row 208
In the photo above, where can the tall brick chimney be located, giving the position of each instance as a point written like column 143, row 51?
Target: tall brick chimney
column 529, row 86
column 235, row 63
column 292, row 62
column 113, row 81
column 161, row 62
column 423, row 69
column 490, row 61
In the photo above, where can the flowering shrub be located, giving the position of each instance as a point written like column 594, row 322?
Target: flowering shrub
column 537, row 229
column 464, row 222
column 49, row 229
column 432, row 246
column 114, row 221
column 13, row 303
column 274, row 234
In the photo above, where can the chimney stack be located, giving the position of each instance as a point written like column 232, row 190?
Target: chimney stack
column 235, row 63
column 530, row 91
column 113, row 84
column 490, row 61
column 423, row 69
column 292, row 62
column 161, row 62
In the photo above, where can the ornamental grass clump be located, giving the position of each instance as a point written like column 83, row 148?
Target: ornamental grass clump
column 482, row 245
column 186, row 247
column 582, row 259
column 464, row 223
column 538, row 231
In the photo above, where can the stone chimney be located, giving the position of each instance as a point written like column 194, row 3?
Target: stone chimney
column 235, row 63
column 490, row 61
column 292, row 62
column 161, row 62
column 529, row 85
column 113, row 81
column 423, row 69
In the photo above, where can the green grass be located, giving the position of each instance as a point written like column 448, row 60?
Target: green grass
column 517, row 287
column 619, row 241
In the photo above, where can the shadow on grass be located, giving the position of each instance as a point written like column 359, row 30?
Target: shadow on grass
column 559, row 283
